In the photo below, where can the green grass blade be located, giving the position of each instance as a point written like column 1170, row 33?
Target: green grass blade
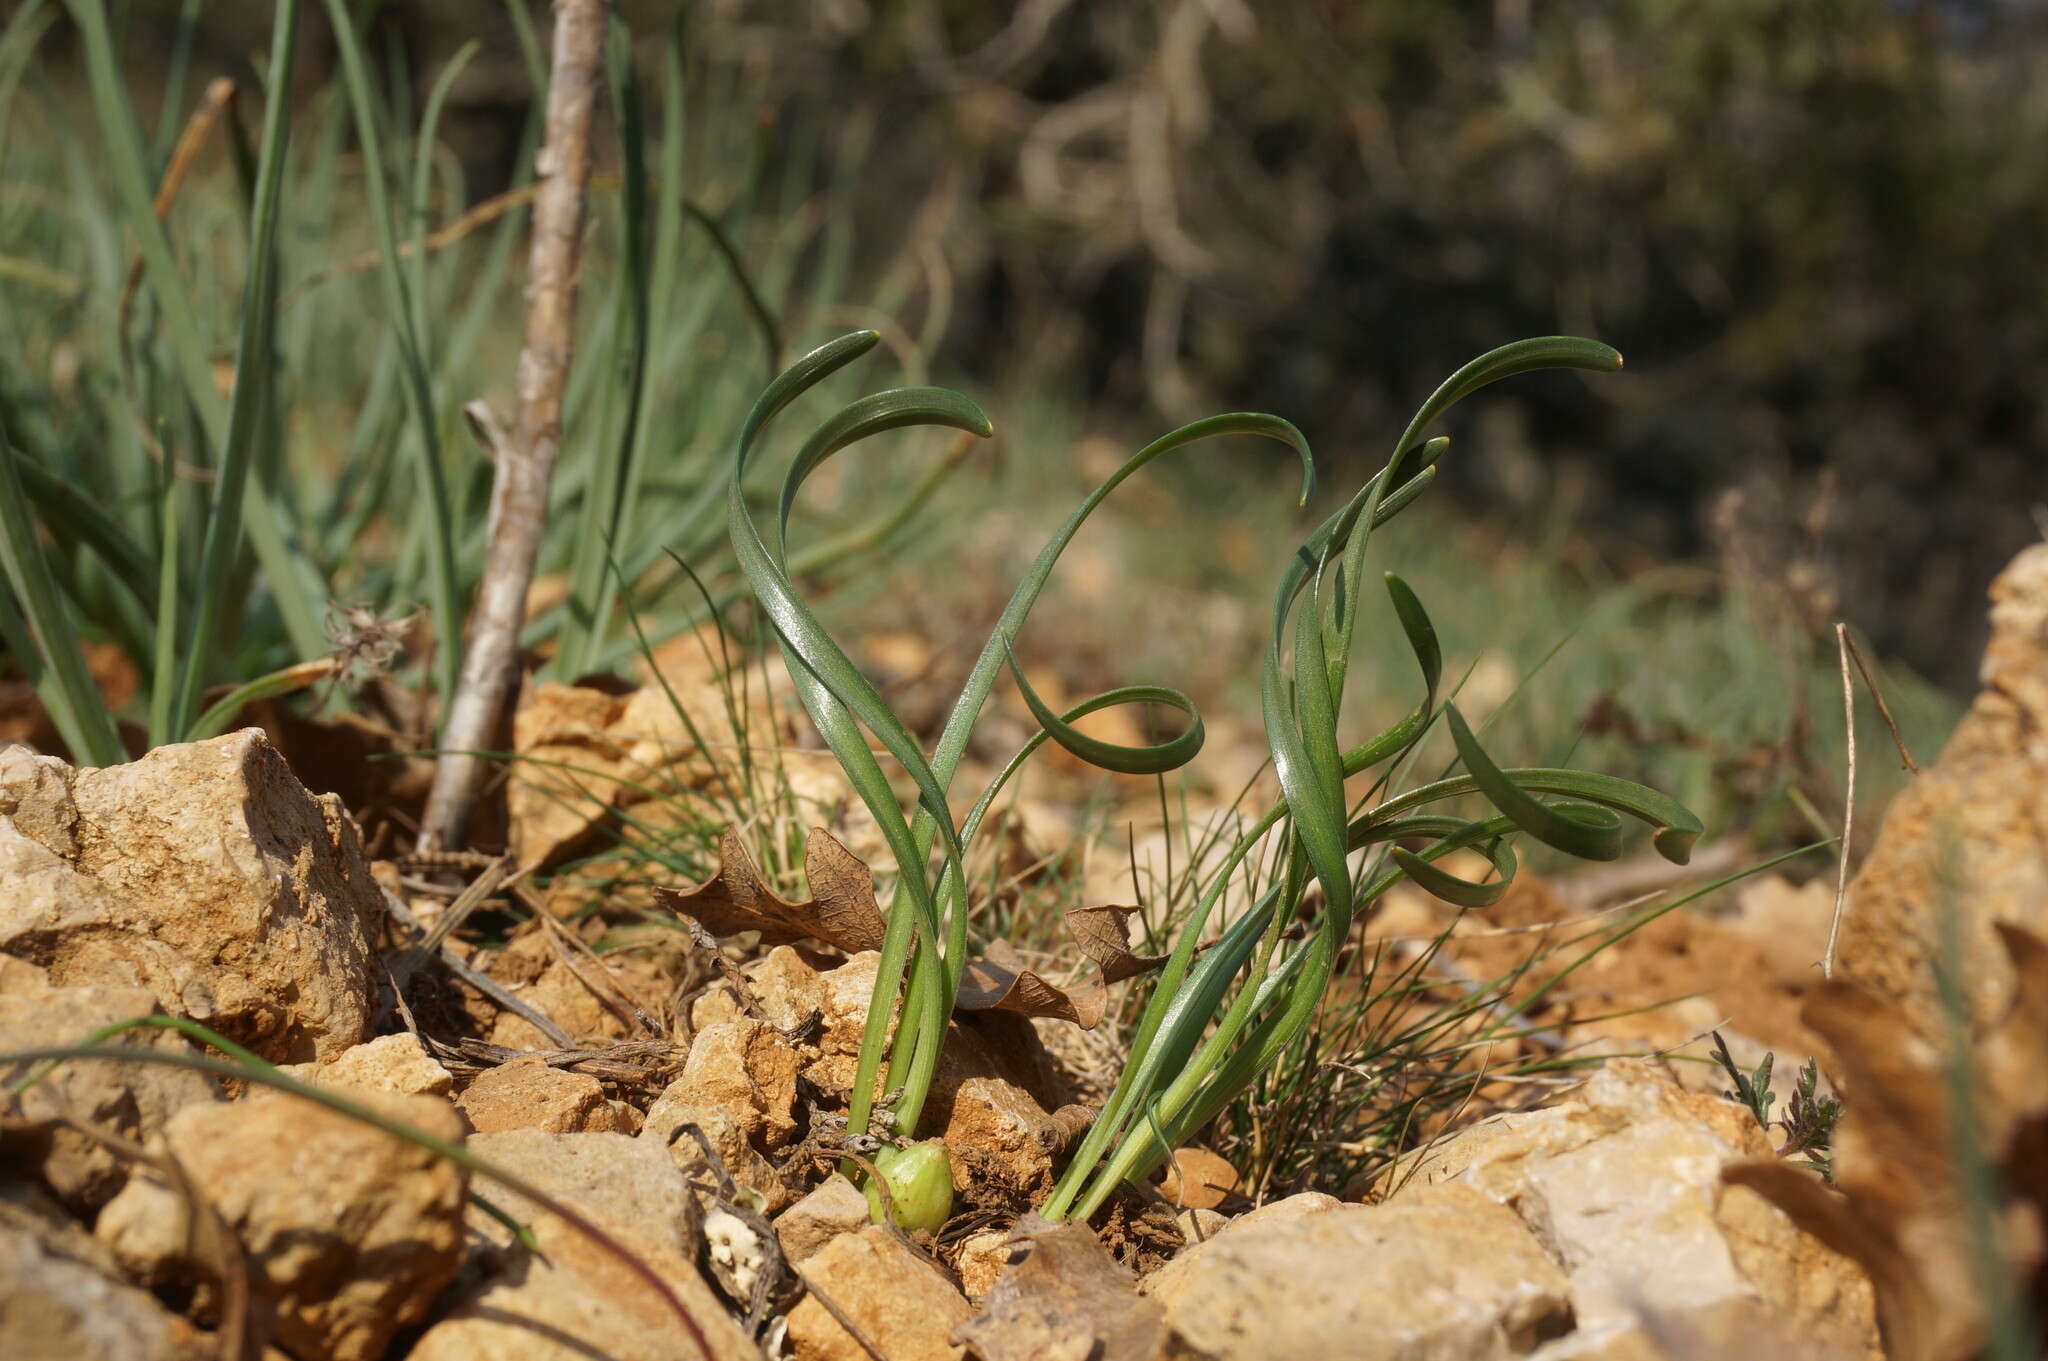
column 245, row 421
column 1522, row 356
column 443, row 527
column 1589, row 831
column 1676, row 829
column 41, row 636
column 75, row 517
column 1152, row 759
column 163, row 690
column 286, row 574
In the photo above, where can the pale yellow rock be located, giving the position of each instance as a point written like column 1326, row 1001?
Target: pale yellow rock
column 1199, row 1226
column 391, row 1063
column 997, row 1135
column 901, row 1302
column 528, row 1094
column 981, row 1260
column 748, row 1070
column 60, row 1300
column 350, row 1234
column 204, row 873
column 833, row 1207
column 575, row 1301
column 1448, row 1275
column 1970, row 833
column 133, row 1100
column 1621, row 1183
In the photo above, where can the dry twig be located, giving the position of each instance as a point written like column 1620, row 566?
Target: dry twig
column 1827, row 960
column 526, row 463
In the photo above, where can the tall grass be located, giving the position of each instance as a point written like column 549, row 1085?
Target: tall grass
column 206, row 527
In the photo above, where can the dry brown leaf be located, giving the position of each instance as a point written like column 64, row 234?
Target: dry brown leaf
column 1104, row 935
column 999, row 981
column 841, row 911
column 1898, row 1208
column 1065, row 1299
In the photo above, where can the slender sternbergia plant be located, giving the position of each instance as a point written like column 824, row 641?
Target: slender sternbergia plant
column 1211, row 1024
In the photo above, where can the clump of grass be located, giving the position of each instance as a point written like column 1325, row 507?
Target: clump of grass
column 1213, row 1025
column 205, row 528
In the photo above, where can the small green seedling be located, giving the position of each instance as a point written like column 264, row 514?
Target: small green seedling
column 1810, row 1116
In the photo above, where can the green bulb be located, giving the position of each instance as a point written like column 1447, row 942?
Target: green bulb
column 920, row 1180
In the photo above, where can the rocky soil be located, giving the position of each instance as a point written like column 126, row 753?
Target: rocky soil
column 652, row 1169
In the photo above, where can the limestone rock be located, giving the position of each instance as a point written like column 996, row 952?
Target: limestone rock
column 1199, row 1226
column 1621, row 1183
column 726, row 1132
column 399, row 1064
column 1971, row 832
column 900, row 1301
column 1061, row 1294
column 980, row 1261
column 739, row 1087
column 528, row 1094
column 1447, row 1274
column 996, row 1136
column 61, row 1300
column 349, row 1232
column 592, row 751
column 130, row 1099
column 749, row 1071
column 203, row 872
column 834, row 1207
column 573, row 1300
column 558, row 994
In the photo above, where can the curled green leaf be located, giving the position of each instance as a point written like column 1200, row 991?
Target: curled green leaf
column 1124, row 759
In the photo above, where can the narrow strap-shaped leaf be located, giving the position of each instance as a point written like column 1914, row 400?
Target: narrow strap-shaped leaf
column 79, row 517
column 1153, row 759
column 1676, row 828
column 1421, row 637
column 953, row 738
column 1451, row 888
column 1522, row 356
column 871, row 415
column 1586, row 830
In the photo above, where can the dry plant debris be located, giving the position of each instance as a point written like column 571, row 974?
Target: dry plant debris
column 1919, row 1189
column 842, row 912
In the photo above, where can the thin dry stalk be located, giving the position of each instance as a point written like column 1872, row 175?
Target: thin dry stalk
column 1842, row 645
column 526, row 464
column 1884, row 711
column 192, row 139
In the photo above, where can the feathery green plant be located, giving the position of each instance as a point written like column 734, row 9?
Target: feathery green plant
column 1180, row 1072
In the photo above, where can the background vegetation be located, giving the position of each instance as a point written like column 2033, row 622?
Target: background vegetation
column 1812, row 228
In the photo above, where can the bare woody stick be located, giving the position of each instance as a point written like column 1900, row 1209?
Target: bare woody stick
column 525, row 463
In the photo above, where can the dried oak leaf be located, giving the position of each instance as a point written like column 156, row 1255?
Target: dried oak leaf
column 999, row 981
column 1064, row 1296
column 841, row 911
column 1104, row 935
